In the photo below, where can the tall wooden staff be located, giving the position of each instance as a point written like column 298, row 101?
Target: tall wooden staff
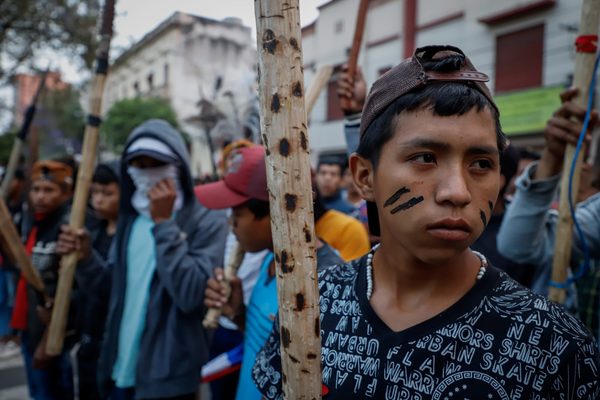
column 17, row 148
column 313, row 91
column 13, row 247
column 68, row 263
column 356, row 43
column 284, row 130
column 584, row 66
column 211, row 320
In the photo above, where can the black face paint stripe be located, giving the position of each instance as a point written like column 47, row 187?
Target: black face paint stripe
column 394, row 198
column 483, row 218
column 491, row 206
column 405, row 206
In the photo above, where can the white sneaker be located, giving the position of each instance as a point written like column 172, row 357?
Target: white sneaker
column 9, row 350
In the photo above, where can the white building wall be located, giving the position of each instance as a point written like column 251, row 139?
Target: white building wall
column 197, row 52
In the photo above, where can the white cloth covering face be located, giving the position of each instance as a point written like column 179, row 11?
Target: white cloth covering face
column 145, row 179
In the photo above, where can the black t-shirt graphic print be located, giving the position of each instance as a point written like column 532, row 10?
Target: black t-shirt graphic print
column 499, row 342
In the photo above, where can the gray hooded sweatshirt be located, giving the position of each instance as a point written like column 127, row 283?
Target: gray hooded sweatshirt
column 174, row 345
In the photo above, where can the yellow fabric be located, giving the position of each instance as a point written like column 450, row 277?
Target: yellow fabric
column 344, row 233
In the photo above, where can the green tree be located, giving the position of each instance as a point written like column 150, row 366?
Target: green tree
column 126, row 114
column 28, row 28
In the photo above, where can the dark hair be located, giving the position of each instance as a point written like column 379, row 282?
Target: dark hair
column 444, row 99
column 104, row 175
column 509, row 165
column 260, row 208
column 332, row 160
column 528, row 154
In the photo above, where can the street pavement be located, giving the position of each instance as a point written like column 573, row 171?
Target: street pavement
column 13, row 384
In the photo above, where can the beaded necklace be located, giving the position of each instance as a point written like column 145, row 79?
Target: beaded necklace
column 480, row 273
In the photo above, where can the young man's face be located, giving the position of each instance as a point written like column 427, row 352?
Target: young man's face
column 436, row 182
column 253, row 234
column 47, row 196
column 105, row 200
column 329, row 179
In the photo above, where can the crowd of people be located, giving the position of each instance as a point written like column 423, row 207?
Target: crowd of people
column 434, row 243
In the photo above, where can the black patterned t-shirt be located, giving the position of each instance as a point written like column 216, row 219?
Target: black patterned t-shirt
column 498, row 342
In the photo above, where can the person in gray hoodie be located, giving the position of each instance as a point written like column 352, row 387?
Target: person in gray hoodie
column 165, row 248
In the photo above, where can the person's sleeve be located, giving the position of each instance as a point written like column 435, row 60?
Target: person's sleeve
column 527, row 232
column 183, row 263
column 352, row 132
column 356, row 241
column 579, row 378
column 93, row 274
column 588, row 217
column 266, row 371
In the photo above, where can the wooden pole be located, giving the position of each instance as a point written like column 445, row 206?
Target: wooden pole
column 12, row 245
column 17, row 149
column 320, row 81
column 284, row 130
column 356, row 43
column 68, row 262
column 584, row 65
column 211, row 320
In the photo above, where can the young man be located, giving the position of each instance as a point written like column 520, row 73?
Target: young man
column 330, row 170
column 422, row 316
column 166, row 246
column 49, row 195
column 105, row 202
column 528, row 231
column 244, row 189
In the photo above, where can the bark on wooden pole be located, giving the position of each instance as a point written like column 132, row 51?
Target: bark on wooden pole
column 68, row 263
column 361, row 19
column 285, row 136
column 584, row 65
column 211, row 320
column 13, row 247
column 315, row 88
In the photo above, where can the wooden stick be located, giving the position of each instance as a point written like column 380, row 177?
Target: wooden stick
column 211, row 320
column 356, row 43
column 283, row 120
column 17, row 148
column 12, row 245
column 68, row 263
column 584, row 65
column 312, row 94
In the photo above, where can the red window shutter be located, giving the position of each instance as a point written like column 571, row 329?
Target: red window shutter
column 519, row 59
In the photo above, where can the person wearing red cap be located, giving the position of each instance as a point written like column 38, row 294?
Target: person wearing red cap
column 422, row 316
column 244, row 190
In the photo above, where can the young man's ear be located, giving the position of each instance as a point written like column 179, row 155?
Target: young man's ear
column 362, row 174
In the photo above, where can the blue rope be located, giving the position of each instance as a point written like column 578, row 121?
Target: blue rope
column 585, row 265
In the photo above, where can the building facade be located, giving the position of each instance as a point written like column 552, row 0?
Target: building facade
column 205, row 68
column 25, row 87
column 525, row 46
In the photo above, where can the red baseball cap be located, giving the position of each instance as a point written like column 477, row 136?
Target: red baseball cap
column 245, row 179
